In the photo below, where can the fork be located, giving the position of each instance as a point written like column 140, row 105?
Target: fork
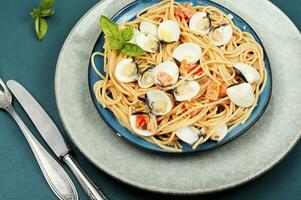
column 56, row 177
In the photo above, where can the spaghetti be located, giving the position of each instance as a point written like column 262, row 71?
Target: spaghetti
column 212, row 107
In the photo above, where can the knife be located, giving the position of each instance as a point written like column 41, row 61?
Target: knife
column 53, row 137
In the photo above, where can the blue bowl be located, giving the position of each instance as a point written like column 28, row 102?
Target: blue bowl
column 128, row 13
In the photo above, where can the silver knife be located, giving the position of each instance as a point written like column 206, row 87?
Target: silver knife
column 53, row 137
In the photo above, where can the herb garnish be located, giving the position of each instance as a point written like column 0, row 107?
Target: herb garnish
column 119, row 39
column 39, row 14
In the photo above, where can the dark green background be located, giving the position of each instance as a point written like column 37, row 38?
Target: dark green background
column 32, row 63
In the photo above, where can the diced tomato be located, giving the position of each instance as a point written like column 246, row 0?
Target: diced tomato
column 141, row 122
column 212, row 92
column 223, row 91
column 188, row 11
column 184, row 11
column 179, row 12
column 185, row 68
column 197, row 72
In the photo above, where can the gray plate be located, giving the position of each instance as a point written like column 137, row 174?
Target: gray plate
column 235, row 163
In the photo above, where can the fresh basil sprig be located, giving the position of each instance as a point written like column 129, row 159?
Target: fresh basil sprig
column 119, row 39
column 39, row 14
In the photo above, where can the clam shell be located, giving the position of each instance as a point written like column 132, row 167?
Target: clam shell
column 169, row 31
column 119, row 71
column 169, row 68
column 247, row 72
column 225, row 33
column 148, row 43
column 220, row 133
column 188, row 134
column 150, row 80
column 200, row 23
column 188, row 51
column 191, row 87
column 241, row 94
column 140, row 132
column 148, row 28
column 158, row 95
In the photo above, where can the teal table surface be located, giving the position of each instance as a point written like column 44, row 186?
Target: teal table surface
column 24, row 58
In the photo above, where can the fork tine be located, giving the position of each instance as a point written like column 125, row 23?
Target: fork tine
column 3, row 85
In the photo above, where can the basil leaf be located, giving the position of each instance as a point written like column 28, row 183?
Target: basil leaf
column 109, row 28
column 115, row 44
column 132, row 50
column 46, row 4
column 47, row 13
column 35, row 13
column 43, row 11
column 127, row 34
column 41, row 27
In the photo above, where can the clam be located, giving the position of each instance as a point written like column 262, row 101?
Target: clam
column 148, row 43
column 126, row 71
column 146, row 79
column 134, row 38
column 247, row 72
column 148, row 28
column 187, row 51
column 200, row 23
column 158, row 102
column 219, row 133
column 241, row 94
column 169, row 31
column 143, row 124
column 166, row 73
column 221, row 35
column 188, row 134
column 187, row 91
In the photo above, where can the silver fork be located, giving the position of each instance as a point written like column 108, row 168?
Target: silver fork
column 56, row 177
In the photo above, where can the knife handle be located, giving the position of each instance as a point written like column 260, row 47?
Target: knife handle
column 89, row 187
column 56, row 177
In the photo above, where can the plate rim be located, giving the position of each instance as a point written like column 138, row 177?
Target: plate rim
column 252, row 176
column 190, row 151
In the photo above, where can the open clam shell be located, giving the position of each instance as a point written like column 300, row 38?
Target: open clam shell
column 166, row 74
column 187, row 91
column 146, row 79
column 158, row 102
column 143, row 124
column 221, row 35
column 200, row 23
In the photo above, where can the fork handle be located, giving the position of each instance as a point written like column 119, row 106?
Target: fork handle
column 56, row 177
column 89, row 187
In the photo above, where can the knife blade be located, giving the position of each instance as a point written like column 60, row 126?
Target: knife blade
column 40, row 118
column 53, row 137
